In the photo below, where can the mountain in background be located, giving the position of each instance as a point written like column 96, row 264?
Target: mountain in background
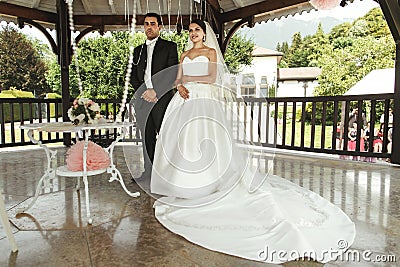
column 269, row 34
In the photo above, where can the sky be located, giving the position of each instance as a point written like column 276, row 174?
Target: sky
column 282, row 29
column 351, row 11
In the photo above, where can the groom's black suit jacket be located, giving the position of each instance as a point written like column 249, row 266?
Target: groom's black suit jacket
column 163, row 69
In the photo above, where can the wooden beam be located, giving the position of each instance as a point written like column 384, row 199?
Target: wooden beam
column 95, row 20
column 89, row 20
column 165, row 6
column 258, row 8
column 22, row 21
column 86, row 31
column 238, row 3
column 215, row 5
column 26, row 12
column 64, row 57
column 112, row 6
column 35, row 3
column 231, row 32
column 139, row 9
column 395, row 158
column 87, row 6
column 391, row 11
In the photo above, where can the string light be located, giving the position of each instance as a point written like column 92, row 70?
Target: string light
column 129, row 67
column 75, row 54
column 130, row 58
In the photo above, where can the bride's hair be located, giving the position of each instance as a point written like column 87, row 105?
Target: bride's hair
column 201, row 24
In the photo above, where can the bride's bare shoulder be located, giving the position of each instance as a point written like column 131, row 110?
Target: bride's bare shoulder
column 184, row 54
column 212, row 54
column 212, row 51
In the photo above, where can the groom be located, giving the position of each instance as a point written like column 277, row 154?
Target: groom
column 153, row 74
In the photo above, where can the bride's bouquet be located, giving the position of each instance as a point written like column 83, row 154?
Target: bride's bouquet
column 84, row 110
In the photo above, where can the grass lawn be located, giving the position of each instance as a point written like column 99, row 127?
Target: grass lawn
column 307, row 135
column 19, row 134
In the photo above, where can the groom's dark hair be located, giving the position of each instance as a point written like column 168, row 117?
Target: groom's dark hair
column 154, row 15
column 200, row 23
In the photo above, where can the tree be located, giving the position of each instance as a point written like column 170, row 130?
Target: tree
column 53, row 76
column 342, row 42
column 278, row 47
column 238, row 53
column 21, row 65
column 315, row 46
column 102, row 65
column 180, row 40
column 344, row 67
column 340, row 30
column 346, row 55
column 359, row 29
column 296, row 56
column 284, row 48
column 103, row 62
column 376, row 23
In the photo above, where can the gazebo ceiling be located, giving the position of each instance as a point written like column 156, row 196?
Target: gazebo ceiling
column 110, row 14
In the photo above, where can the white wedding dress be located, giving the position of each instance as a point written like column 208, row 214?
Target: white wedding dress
column 210, row 198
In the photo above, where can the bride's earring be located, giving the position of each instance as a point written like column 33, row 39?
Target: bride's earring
column 204, row 38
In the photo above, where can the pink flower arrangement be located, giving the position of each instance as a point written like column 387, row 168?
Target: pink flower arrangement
column 84, row 110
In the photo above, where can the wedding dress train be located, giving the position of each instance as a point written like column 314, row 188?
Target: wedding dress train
column 210, row 201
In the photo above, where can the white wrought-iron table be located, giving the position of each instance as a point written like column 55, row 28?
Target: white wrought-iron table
column 80, row 130
column 6, row 225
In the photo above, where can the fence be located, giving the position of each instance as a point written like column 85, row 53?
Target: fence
column 17, row 111
column 313, row 124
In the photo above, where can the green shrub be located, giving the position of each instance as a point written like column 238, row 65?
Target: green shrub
column 6, row 95
column 299, row 113
column 17, row 110
column 18, row 93
column 7, row 92
column 53, row 110
column 23, row 94
column 53, row 96
column 52, row 106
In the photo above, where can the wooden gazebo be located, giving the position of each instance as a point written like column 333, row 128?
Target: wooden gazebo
column 225, row 16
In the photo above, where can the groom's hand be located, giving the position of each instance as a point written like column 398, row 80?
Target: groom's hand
column 150, row 95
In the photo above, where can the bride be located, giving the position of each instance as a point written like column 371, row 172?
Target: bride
column 213, row 195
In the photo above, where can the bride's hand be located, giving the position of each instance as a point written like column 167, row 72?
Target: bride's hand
column 183, row 91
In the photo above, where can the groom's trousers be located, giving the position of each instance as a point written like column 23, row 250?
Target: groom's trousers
column 149, row 117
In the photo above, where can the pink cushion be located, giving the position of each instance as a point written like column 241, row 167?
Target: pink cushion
column 96, row 157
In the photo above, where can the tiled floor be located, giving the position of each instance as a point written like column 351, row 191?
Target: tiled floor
column 54, row 232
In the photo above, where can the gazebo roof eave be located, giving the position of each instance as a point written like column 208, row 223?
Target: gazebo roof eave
column 267, row 10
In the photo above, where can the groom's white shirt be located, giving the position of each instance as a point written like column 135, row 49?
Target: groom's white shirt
column 147, row 74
